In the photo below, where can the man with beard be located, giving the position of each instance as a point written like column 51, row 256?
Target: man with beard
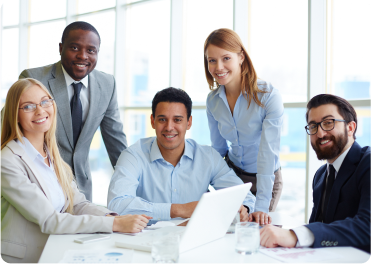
column 341, row 188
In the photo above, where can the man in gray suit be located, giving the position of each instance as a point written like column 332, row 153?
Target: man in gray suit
column 86, row 99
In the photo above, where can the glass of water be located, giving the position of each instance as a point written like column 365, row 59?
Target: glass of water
column 165, row 249
column 247, row 238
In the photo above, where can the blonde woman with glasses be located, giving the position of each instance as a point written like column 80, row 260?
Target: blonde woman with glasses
column 38, row 193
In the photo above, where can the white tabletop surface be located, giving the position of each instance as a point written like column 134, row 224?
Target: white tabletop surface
column 218, row 251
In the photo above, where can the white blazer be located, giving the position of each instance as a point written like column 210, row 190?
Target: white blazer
column 27, row 214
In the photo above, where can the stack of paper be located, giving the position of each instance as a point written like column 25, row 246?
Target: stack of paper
column 94, row 256
column 296, row 255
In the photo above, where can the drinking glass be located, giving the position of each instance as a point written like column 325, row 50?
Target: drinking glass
column 165, row 249
column 247, row 238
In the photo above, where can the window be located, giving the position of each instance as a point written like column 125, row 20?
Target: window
column 10, row 14
column 194, row 81
column 55, row 9
column 292, row 158
column 9, row 60
column 42, row 50
column 349, row 53
column 147, row 51
column 278, row 46
column 141, row 46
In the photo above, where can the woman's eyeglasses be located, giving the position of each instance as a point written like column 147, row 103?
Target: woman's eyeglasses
column 32, row 107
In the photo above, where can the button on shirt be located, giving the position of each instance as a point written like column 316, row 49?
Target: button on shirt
column 84, row 94
column 304, row 235
column 254, row 134
column 145, row 183
column 47, row 173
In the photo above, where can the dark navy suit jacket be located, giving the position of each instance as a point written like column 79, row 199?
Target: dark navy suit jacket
column 347, row 221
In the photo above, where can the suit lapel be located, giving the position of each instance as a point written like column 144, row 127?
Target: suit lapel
column 95, row 95
column 58, row 88
column 18, row 150
column 318, row 191
column 346, row 170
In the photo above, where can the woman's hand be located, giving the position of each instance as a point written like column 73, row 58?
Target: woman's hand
column 130, row 223
column 260, row 218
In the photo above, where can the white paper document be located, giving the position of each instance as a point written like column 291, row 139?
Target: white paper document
column 296, row 255
column 157, row 225
column 98, row 256
column 173, row 222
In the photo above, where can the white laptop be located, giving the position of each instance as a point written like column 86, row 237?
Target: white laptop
column 210, row 221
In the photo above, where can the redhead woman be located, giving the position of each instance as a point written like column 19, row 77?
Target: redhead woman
column 38, row 194
column 247, row 112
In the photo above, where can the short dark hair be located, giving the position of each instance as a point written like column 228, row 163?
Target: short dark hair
column 345, row 109
column 78, row 25
column 172, row 95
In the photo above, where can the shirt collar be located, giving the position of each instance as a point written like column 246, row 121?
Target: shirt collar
column 188, row 150
column 155, row 152
column 337, row 163
column 30, row 149
column 221, row 91
column 70, row 80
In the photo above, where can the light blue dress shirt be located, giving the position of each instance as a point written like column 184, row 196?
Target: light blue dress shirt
column 46, row 172
column 145, row 183
column 254, row 134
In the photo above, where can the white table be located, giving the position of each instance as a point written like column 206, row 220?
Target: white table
column 219, row 251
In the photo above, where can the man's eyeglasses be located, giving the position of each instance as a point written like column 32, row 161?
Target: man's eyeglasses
column 32, row 107
column 326, row 125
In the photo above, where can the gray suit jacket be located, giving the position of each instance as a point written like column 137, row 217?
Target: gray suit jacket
column 27, row 214
column 103, row 112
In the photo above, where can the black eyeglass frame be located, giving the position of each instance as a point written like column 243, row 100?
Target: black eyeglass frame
column 50, row 100
column 320, row 123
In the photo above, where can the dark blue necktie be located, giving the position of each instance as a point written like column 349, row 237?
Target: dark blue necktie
column 76, row 112
column 330, row 183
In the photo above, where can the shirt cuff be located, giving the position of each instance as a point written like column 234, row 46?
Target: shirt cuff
column 248, row 209
column 112, row 213
column 161, row 211
column 261, row 206
column 304, row 235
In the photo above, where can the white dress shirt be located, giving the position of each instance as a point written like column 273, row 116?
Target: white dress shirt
column 84, row 94
column 46, row 172
column 304, row 235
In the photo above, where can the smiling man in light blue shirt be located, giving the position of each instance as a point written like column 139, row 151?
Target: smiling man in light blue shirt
column 165, row 176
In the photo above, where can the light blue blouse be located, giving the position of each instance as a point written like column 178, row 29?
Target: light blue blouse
column 48, row 174
column 253, row 133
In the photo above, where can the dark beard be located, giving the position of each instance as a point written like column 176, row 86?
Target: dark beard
column 330, row 153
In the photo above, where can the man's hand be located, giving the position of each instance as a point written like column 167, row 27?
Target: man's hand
column 130, row 223
column 183, row 210
column 244, row 215
column 260, row 218
column 272, row 236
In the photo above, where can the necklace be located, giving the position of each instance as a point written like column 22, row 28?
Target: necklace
column 45, row 152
